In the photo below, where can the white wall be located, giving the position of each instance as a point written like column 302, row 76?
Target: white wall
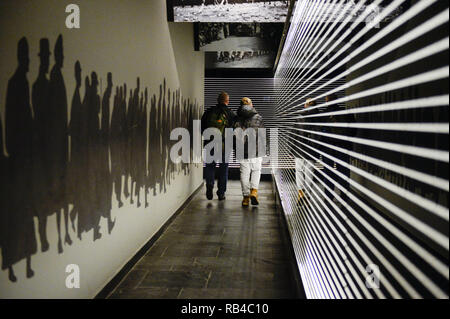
column 128, row 38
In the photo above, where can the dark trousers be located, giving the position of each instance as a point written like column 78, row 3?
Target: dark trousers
column 222, row 178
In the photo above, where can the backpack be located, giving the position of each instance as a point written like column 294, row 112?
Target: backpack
column 217, row 117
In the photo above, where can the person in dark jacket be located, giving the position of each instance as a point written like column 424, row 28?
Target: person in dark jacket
column 220, row 117
column 250, row 157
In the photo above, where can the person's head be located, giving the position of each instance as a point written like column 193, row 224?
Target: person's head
column 223, row 98
column 330, row 97
column 22, row 54
column 87, row 83
column 94, row 81
column 310, row 102
column 59, row 55
column 78, row 73
column 109, row 79
column 44, row 54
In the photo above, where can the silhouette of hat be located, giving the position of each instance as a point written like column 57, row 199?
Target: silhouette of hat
column 44, row 47
column 22, row 49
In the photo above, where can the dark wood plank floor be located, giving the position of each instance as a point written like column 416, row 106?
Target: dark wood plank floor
column 216, row 250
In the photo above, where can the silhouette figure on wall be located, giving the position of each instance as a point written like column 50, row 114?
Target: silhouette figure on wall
column 58, row 148
column 118, row 142
column 76, row 149
column 19, row 240
column 144, row 136
column 83, row 180
column 93, row 169
column 41, row 182
column 133, row 111
column 141, row 167
column 3, row 189
column 153, row 145
column 105, row 186
column 125, row 152
column 163, row 126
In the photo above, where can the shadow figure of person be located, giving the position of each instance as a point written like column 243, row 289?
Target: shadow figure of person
column 84, row 204
column 133, row 151
column 3, row 189
column 118, row 143
column 59, row 148
column 19, row 239
column 174, row 124
column 185, row 123
column 127, row 155
column 164, row 138
column 76, row 148
column 143, row 146
column 40, row 97
column 159, row 163
column 191, row 118
column 105, row 180
column 94, row 163
column 152, row 145
column 158, row 145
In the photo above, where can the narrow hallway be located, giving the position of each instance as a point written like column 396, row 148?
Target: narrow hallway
column 114, row 115
column 227, row 252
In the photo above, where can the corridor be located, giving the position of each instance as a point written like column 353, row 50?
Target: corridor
column 113, row 114
column 216, row 249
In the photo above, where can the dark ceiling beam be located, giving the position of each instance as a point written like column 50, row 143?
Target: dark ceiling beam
column 287, row 24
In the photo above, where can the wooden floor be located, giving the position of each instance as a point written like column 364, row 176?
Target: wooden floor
column 216, row 250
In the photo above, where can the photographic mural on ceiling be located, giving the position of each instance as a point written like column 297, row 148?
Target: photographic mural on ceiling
column 227, row 10
column 115, row 147
column 213, row 37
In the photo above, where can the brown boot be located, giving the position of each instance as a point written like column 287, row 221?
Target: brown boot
column 301, row 196
column 246, row 201
column 254, row 196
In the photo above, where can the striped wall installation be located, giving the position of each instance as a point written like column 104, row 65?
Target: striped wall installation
column 363, row 167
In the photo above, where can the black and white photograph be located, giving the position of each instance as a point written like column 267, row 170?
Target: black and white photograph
column 350, row 11
column 240, row 59
column 214, row 37
column 228, row 10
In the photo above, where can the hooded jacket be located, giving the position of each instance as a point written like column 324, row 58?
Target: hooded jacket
column 248, row 117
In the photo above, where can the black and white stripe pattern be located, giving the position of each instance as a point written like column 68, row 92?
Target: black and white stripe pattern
column 392, row 77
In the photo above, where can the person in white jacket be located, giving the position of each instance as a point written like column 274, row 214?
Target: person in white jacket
column 250, row 161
